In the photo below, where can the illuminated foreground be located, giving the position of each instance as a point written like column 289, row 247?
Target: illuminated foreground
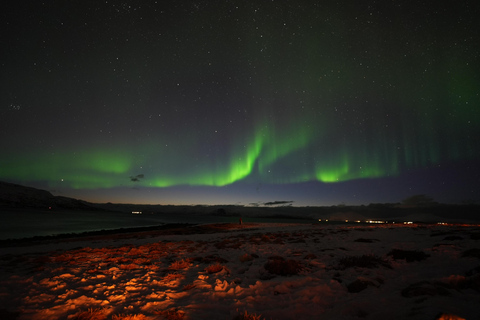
column 276, row 271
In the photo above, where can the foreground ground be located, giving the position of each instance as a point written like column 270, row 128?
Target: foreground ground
column 253, row 271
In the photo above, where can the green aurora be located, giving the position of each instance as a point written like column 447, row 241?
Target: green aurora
column 241, row 94
column 299, row 151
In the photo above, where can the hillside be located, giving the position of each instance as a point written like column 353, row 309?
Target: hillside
column 18, row 196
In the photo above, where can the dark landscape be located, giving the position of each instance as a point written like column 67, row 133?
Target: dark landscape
column 293, row 266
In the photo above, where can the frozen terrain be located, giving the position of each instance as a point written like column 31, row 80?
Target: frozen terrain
column 252, row 271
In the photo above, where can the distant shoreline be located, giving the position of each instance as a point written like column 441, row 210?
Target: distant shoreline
column 127, row 233
column 172, row 229
column 96, row 233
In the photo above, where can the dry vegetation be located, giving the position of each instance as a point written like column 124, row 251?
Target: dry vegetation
column 214, row 268
column 90, row 314
column 248, row 316
column 158, row 280
column 180, row 264
column 171, row 314
column 129, row 317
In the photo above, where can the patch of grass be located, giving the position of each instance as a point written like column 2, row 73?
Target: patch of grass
column 409, row 255
column 64, row 258
column 129, row 317
column 172, row 276
column 282, row 267
column 135, row 252
column 180, row 264
column 171, row 314
column 248, row 316
column 90, row 314
column 131, row 266
column 122, row 260
column 369, row 261
column 143, row 261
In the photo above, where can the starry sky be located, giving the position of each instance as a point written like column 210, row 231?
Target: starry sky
column 240, row 102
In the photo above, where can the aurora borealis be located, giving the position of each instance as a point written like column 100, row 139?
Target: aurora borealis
column 242, row 101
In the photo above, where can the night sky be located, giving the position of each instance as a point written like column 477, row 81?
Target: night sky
column 240, row 102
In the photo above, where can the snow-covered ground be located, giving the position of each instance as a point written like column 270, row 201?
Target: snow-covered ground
column 273, row 271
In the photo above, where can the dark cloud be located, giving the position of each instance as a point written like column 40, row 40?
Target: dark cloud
column 137, row 177
column 277, row 203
